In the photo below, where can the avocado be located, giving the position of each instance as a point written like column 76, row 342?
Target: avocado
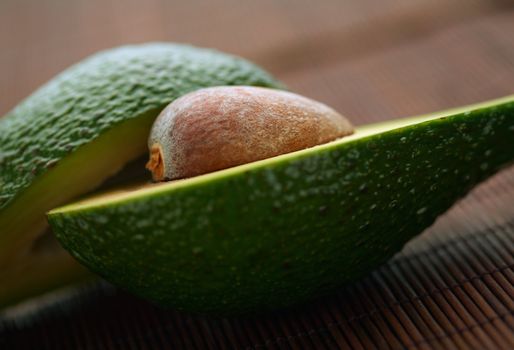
column 81, row 128
column 276, row 232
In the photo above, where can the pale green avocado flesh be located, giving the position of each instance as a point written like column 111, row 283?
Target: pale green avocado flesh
column 78, row 130
column 277, row 232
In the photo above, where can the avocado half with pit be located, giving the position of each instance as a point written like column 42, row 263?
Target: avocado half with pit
column 78, row 130
column 276, row 232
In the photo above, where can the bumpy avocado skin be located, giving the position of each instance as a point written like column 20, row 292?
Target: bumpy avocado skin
column 99, row 93
column 276, row 235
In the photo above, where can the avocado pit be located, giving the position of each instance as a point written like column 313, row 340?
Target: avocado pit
column 221, row 127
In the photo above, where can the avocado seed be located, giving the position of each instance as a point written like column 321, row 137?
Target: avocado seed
column 221, row 127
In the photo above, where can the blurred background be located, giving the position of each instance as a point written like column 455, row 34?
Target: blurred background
column 369, row 59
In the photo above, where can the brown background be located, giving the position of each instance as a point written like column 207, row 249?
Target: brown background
column 371, row 60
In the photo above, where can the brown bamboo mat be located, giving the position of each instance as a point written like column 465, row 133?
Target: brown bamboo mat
column 452, row 287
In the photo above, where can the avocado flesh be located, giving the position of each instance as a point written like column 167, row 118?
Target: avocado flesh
column 79, row 129
column 41, row 270
column 277, row 232
column 24, row 273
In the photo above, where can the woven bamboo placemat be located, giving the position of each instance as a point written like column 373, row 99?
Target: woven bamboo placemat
column 452, row 287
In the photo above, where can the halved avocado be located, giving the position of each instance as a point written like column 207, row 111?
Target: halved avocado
column 78, row 130
column 279, row 231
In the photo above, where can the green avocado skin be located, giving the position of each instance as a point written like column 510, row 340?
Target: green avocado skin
column 99, row 93
column 276, row 235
